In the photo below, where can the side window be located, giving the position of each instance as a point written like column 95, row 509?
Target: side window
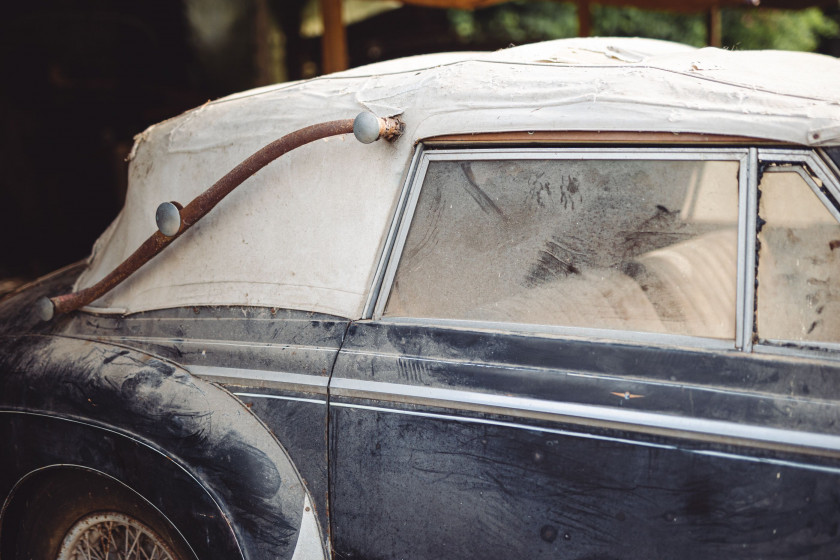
column 798, row 289
column 643, row 245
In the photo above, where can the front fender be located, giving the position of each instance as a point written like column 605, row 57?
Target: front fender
column 159, row 430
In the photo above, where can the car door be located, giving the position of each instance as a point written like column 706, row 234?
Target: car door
column 564, row 361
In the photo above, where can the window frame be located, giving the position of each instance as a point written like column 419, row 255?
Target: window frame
column 409, row 197
column 809, row 165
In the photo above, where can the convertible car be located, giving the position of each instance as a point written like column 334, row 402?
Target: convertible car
column 580, row 300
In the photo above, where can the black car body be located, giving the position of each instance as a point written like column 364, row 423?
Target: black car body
column 585, row 307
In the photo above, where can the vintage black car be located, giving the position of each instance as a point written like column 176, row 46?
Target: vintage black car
column 582, row 303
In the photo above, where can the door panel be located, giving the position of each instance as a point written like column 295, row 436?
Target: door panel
column 450, row 442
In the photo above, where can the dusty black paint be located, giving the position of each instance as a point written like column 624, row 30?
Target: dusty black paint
column 301, row 426
column 184, row 421
column 721, row 385
column 484, row 490
column 246, row 338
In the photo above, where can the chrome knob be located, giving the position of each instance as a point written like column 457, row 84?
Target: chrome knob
column 368, row 128
column 168, row 218
column 45, row 308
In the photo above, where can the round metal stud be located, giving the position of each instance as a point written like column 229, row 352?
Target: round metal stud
column 45, row 308
column 168, row 219
column 366, row 128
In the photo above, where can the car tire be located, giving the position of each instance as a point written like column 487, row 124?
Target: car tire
column 78, row 511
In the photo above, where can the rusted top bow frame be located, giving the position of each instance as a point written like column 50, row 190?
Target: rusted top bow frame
column 173, row 220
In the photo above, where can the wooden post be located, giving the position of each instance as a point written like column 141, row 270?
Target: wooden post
column 714, row 27
column 262, row 30
column 334, row 40
column 584, row 18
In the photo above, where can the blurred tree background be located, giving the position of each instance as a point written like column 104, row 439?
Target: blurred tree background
column 523, row 22
column 82, row 78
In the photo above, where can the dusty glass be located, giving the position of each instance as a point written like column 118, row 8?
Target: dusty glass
column 798, row 294
column 617, row 244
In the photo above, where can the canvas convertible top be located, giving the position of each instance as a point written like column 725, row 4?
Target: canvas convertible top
column 307, row 231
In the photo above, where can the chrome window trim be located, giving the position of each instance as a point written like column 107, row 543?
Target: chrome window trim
column 745, row 297
column 808, row 157
column 393, row 258
column 379, row 276
column 414, row 185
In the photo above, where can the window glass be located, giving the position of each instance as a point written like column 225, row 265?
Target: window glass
column 798, row 297
column 618, row 244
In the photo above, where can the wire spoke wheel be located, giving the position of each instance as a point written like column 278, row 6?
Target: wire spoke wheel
column 113, row 536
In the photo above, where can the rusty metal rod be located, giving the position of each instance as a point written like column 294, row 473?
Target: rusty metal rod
column 202, row 204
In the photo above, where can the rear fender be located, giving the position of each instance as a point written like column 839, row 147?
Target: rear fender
column 187, row 446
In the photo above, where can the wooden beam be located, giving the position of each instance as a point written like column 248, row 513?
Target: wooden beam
column 584, row 15
column 262, row 30
column 714, row 27
column 334, row 40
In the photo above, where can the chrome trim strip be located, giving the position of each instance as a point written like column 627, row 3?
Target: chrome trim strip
column 582, row 435
column 261, row 378
column 387, row 250
column 616, row 378
column 582, row 333
column 280, row 397
column 472, row 420
column 778, row 462
column 747, row 262
column 529, row 407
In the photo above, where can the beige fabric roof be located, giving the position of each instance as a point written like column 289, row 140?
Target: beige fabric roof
column 306, row 232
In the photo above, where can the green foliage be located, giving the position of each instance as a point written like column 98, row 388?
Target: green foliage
column 777, row 29
column 524, row 22
column 515, row 22
column 608, row 21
